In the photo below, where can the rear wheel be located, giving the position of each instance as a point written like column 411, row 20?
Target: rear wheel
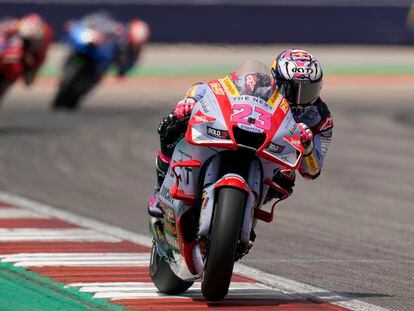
column 163, row 277
column 222, row 244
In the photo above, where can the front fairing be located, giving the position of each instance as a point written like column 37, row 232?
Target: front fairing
column 217, row 114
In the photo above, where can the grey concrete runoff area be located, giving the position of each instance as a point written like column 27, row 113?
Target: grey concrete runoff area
column 351, row 231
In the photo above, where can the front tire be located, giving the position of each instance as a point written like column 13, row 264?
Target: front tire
column 224, row 237
column 163, row 277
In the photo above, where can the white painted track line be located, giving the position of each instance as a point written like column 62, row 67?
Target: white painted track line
column 284, row 285
column 112, row 284
column 149, row 287
column 83, row 263
column 145, row 257
column 8, row 213
column 79, row 259
column 62, row 234
column 258, row 294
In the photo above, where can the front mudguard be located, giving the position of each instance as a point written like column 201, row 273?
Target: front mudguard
column 207, row 204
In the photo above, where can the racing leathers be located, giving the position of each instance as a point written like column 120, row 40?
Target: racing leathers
column 316, row 125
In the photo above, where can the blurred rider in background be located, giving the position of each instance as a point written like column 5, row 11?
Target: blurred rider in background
column 130, row 38
column 137, row 35
column 297, row 75
column 35, row 35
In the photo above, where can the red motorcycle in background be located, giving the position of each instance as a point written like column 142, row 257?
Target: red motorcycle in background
column 23, row 46
column 11, row 62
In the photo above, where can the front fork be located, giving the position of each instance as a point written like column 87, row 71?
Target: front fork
column 206, row 216
column 193, row 252
column 157, row 230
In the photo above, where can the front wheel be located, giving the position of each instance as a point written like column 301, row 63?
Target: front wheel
column 163, row 277
column 222, row 245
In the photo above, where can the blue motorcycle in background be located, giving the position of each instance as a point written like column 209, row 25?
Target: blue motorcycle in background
column 94, row 43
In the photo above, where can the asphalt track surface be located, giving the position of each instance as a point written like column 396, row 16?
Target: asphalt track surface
column 350, row 232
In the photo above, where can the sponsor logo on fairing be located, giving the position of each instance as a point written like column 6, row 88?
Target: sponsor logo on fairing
column 172, row 241
column 206, row 107
column 284, row 106
column 216, row 133
column 171, row 228
column 217, row 89
column 293, row 127
column 165, row 193
column 199, row 117
column 275, row 148
column 230, row 87
column 169, row 214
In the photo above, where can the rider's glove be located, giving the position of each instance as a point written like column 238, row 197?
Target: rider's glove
column 306, row 138
column 171, row 130
column 184, row 108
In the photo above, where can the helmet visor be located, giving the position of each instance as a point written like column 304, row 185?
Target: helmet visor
column 299, row 93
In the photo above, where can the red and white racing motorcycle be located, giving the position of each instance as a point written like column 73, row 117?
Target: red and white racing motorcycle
column 215, row 187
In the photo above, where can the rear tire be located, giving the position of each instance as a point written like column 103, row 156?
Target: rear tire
column 164, row 278
column 224, row 237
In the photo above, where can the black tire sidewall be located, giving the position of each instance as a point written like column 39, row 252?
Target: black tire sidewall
column 223, row 241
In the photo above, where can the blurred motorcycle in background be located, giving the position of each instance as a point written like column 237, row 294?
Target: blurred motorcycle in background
column 97, row 42
column 24, row 43
column 11, row 65
column 216, row 185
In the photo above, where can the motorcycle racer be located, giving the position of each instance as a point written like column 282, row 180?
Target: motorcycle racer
column 297, row 75
column 36, row 36
column 96, row 43
column 137, row 35
column 129, row 38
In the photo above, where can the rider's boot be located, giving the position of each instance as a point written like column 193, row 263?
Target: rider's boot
column 169, row 135
column 161, row 167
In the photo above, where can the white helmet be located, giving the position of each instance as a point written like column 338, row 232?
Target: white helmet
column 298, row 77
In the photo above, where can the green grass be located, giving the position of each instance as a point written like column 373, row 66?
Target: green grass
column 217, row 70
column 21, row 290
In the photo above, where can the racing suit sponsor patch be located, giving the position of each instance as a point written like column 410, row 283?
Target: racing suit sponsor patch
column 311, row 164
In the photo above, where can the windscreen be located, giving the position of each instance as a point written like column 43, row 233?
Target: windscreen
column 253, row 78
